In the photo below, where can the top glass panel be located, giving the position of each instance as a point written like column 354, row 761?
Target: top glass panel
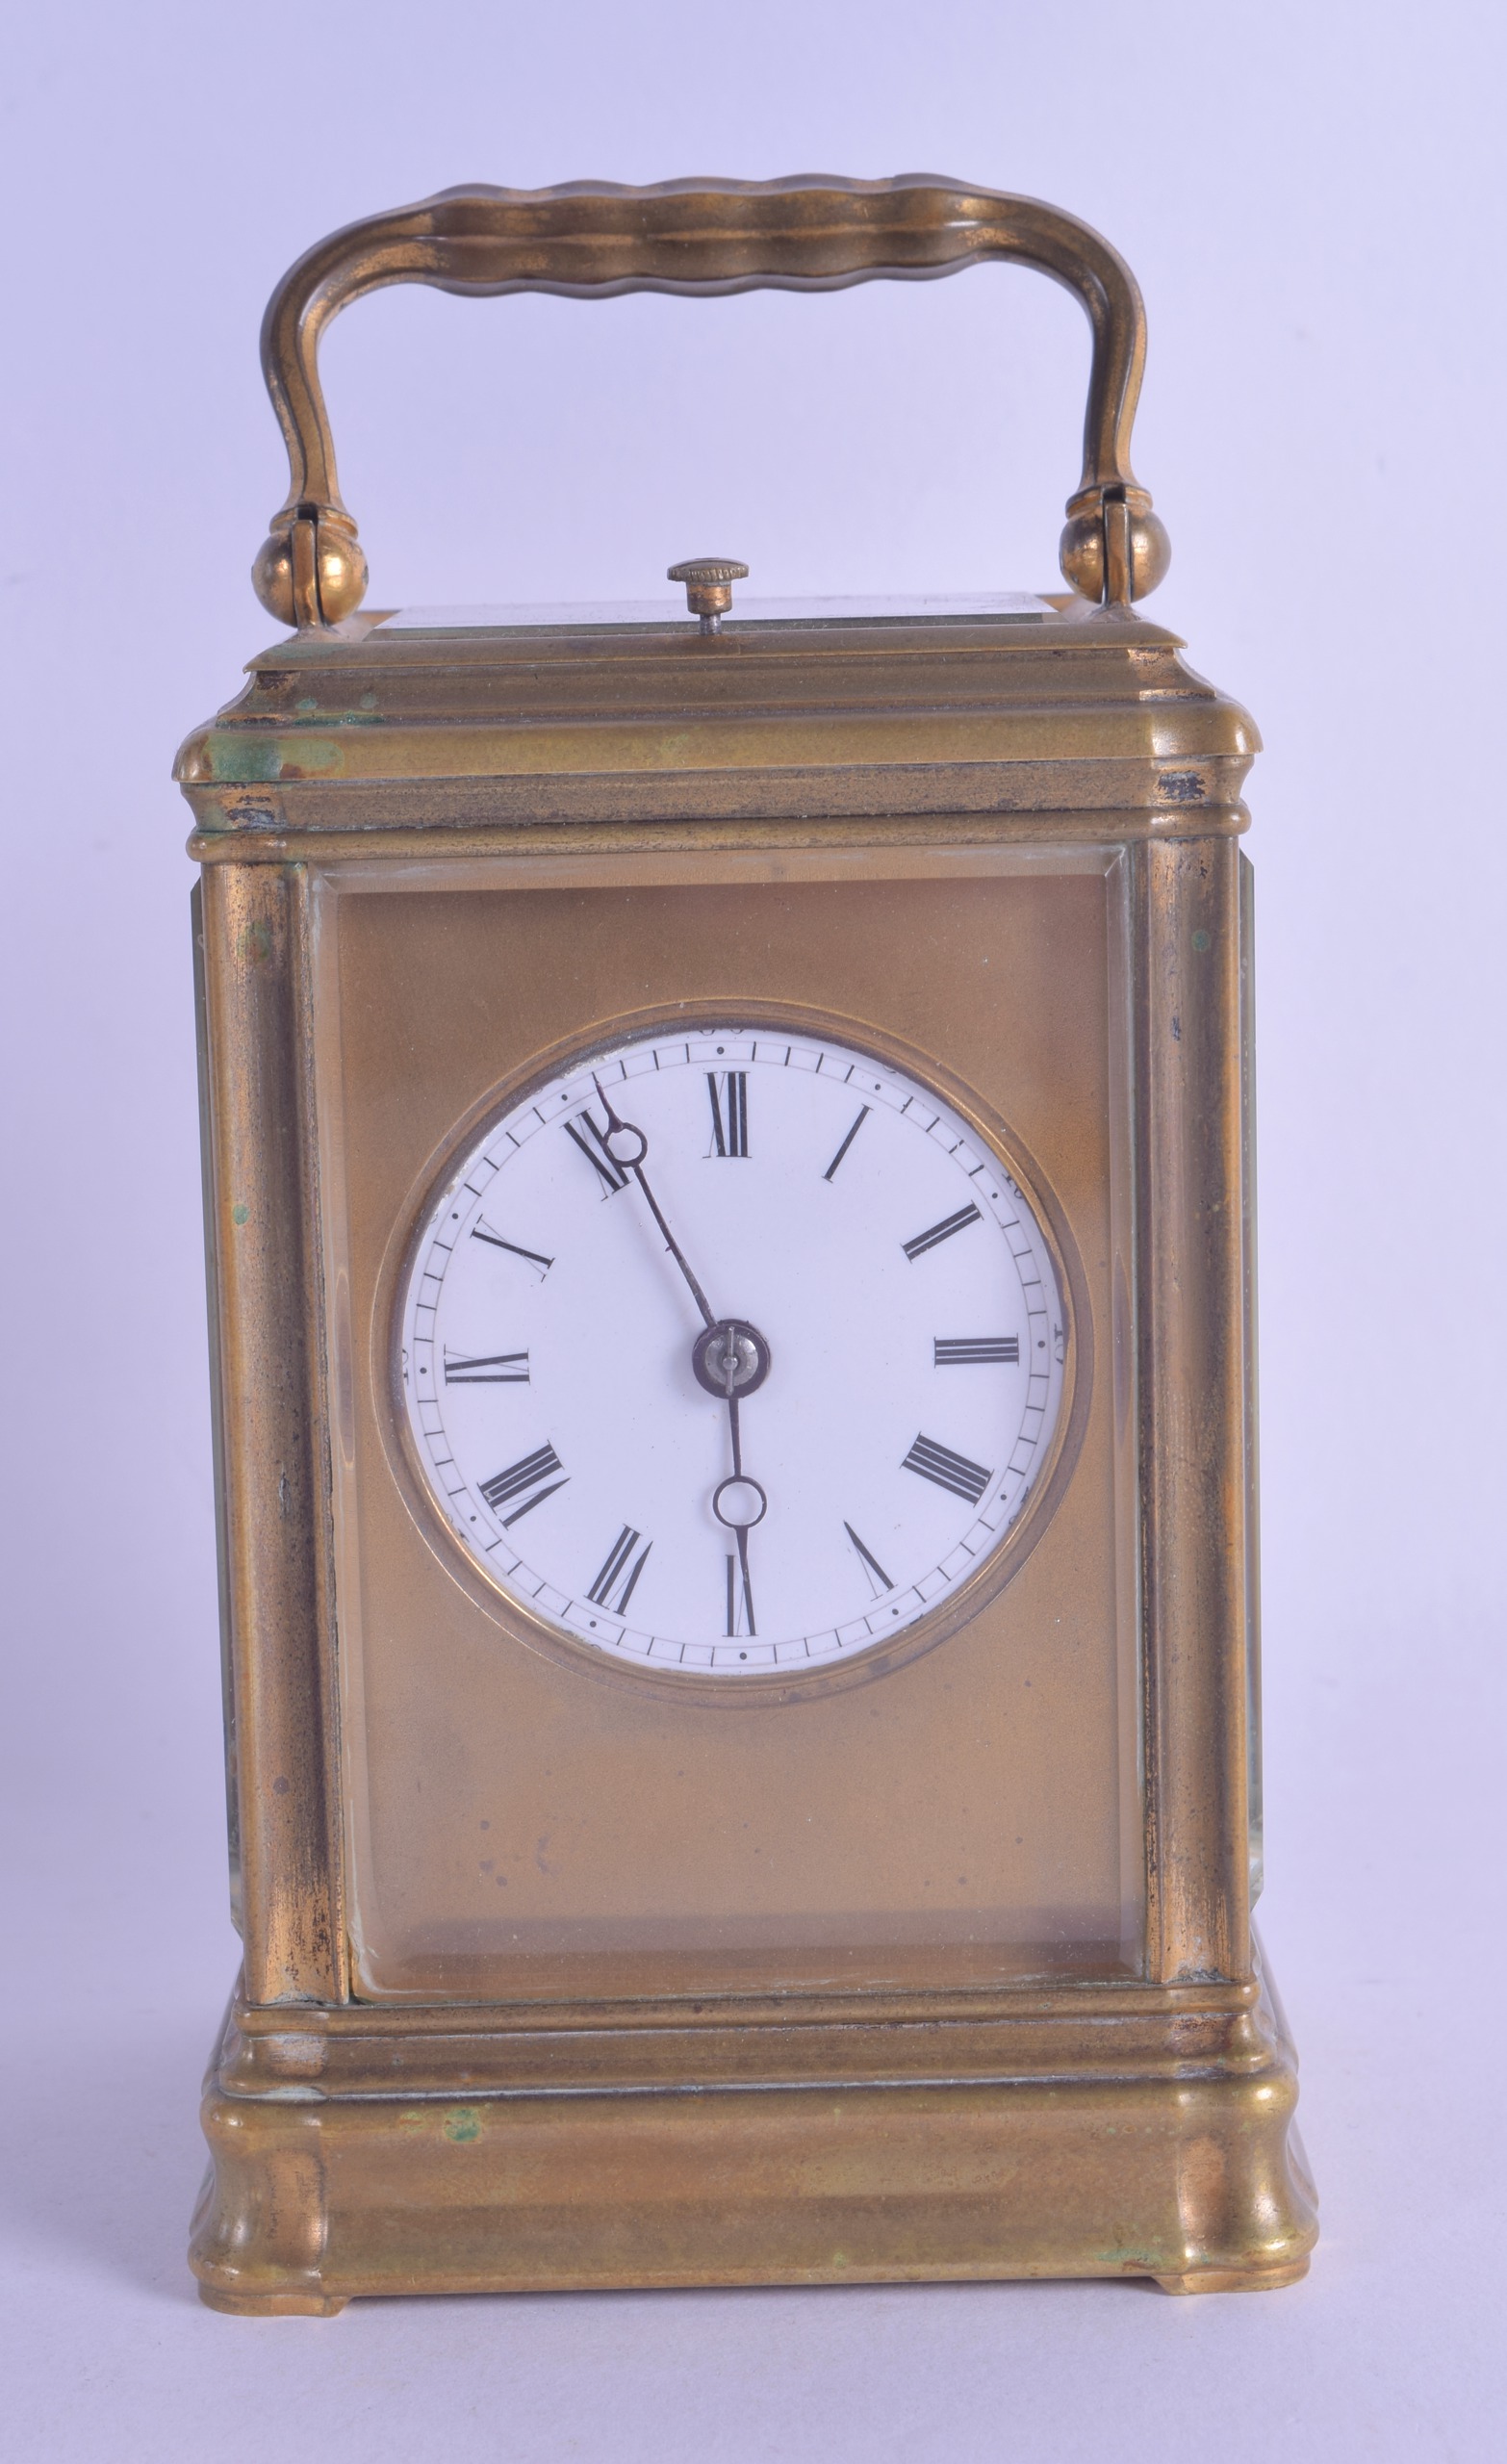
column 1016, row 606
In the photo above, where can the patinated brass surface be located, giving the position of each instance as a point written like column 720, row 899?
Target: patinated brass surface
column 412, row 842
column 593, row 241
column 1083, row 725
column 1092, row 2134
column 1075, row 751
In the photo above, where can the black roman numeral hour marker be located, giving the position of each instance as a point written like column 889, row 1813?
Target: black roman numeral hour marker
column 846, row 1144
column 729, row 1090
column 495, row 1240
column 593, row 1143
column 520, row 1478
column 948, row 1469
column 879, row 1580
column 943, row 1231
column 616, row 1572
column 961, row 1352
column 490, row 1368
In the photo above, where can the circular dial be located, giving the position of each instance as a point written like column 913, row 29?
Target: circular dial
column 732, row 1351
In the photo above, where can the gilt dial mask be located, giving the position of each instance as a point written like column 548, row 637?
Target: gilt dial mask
column 732, row 1352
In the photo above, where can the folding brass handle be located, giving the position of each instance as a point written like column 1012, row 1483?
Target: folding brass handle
column 593, row 239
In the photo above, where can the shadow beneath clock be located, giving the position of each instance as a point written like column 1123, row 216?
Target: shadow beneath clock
column 103, row 2153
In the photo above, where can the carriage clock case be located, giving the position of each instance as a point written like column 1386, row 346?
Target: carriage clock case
column 729, row 1169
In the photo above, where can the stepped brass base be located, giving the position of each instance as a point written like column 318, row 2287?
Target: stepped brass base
column 1097, row 2131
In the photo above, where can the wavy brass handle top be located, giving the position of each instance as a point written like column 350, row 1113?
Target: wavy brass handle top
column 593, row 239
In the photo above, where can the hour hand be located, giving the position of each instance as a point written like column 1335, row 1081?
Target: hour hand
column 623, row 1141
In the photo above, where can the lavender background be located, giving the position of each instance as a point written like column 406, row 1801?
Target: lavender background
column 1310, row 196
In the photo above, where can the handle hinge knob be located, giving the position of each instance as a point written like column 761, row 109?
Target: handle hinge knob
column 708, row 587
column 311, row 571
column 1114, row 549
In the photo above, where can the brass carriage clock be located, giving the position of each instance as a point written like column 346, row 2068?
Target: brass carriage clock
column 728, row 1175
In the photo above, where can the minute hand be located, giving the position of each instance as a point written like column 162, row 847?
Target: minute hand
column 627, row 1147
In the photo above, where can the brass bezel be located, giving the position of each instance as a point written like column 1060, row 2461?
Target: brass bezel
column 788, row 1685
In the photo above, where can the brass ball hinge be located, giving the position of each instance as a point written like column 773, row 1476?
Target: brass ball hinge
column 1114, row 549
column 311, row 570
column 708, row 587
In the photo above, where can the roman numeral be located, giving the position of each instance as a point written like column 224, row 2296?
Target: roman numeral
column 846, row 1144
column 948, row 1469
column 740, row 1600
column 943, row 1231
column 484, row 1232
column 729, row 1090
column 961, row 1351
column 593, row 1143
column 879, row 1580
column 489, row 1368
column 616, row 1570
column 530, row 1473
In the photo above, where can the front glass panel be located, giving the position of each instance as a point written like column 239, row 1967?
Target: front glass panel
column 735, row 1509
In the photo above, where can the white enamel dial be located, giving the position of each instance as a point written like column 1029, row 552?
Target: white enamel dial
column 732, row 1351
